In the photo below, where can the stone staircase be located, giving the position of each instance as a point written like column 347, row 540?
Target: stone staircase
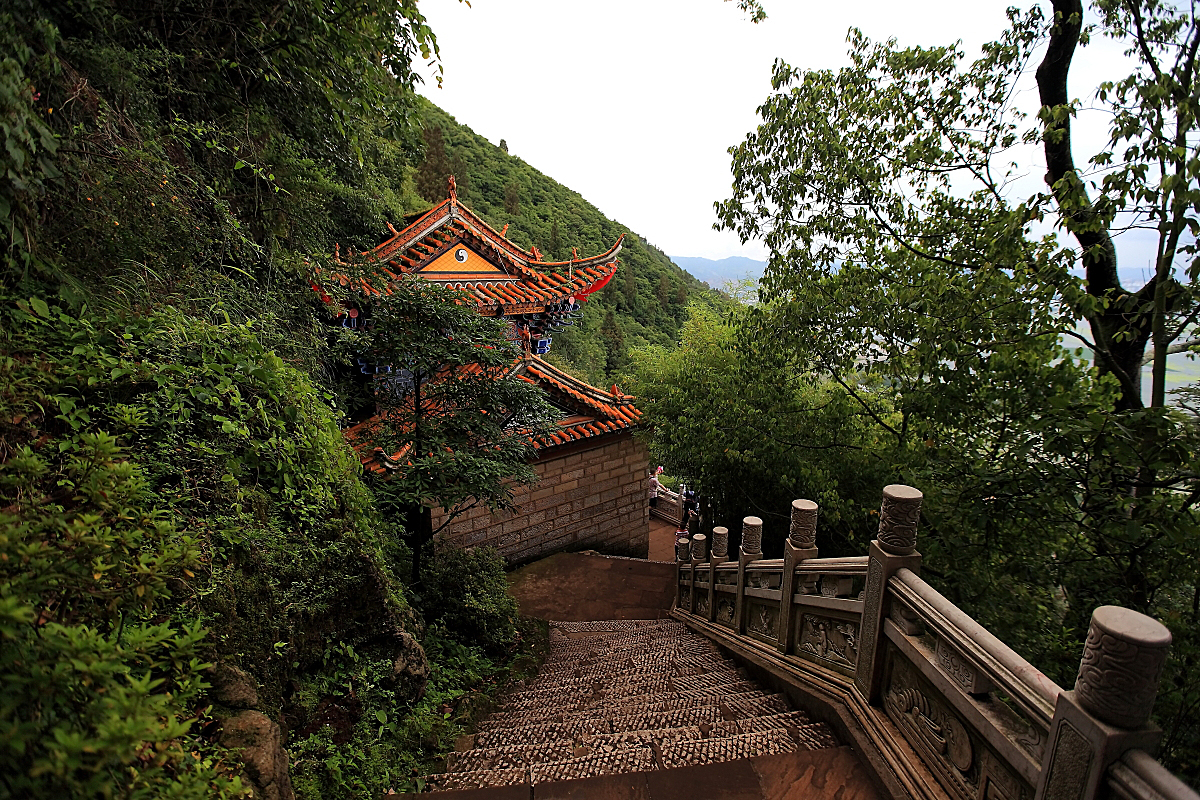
column 627, row 697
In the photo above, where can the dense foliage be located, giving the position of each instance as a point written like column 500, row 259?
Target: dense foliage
column 907, row 281
column 752, row 432
column 175, row 488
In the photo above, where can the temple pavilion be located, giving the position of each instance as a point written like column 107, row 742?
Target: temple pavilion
column 593, row 473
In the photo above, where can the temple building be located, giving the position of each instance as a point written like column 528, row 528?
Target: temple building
column 592, row 489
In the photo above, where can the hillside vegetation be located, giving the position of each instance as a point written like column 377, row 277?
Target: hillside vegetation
column 191, row 564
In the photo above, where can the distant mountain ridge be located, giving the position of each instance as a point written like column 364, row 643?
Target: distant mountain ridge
column 717, row 273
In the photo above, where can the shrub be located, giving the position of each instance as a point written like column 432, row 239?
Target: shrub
column 466, row 592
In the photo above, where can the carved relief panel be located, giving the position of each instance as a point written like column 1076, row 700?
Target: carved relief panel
column 762, row 620
column 725, row 611
column 763, row 580
column 963, row 763
column 961, row 670
column 829, row 640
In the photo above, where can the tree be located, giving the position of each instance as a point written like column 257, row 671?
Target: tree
column 457, row 425
column 751, row 433
column 435, row 167
column 554, row 249
column 663, row 292
column 1149, row 177
column 903, row 269
column 512, row 197
column 614, row 343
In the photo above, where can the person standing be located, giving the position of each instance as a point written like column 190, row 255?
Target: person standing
column 654, row 487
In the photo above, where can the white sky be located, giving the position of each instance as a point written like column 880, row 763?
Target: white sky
column 633, row 103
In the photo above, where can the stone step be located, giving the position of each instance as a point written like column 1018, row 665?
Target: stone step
column 697, row 715
column 616, row 625
column 807, row 734
column 616, row 669
column 617, row 674
column 828, row 774
column 575, row 692
column 618, row 651
column 559, row 638
column 478, row 779
column 607, row 756
column 678, row 661
column 592, row 705
column 588, row 641
column 547, row 732
column 729, row 748
column 627, row 698
column 572, row 728
column 631, row 759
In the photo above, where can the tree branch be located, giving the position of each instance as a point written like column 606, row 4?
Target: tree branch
column 1178, row 347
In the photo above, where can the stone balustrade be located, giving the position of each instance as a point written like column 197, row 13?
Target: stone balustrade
column 917, row 676
column 669, row 507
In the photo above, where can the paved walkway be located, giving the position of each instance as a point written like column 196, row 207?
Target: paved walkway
column 575, row 587
column 662, row 540
column 814, row 775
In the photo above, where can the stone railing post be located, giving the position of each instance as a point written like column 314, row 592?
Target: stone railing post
column 718, row 555
column 683, row 556
column 1108, row 711
column 751, row 550
column 697, row 549
column 894, row 549
column 800, row 545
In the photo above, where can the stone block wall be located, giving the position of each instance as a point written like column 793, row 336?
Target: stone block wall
column 593, row 498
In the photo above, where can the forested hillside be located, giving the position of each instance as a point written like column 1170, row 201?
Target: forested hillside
column 193, row 570
column 644, row 304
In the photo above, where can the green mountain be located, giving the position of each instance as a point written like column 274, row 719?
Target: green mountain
column 645, row 301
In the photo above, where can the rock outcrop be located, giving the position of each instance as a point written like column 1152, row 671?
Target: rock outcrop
column 259, row 744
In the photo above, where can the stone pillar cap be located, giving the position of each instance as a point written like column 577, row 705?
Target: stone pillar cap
column 720, row 529
column 751, row 521
column 804, row 505
column 899, row 491
column 1132, row 626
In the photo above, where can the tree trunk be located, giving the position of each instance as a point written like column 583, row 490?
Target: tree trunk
column 1126, row 313
column 419, row 521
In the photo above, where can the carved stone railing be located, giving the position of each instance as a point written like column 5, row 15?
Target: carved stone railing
column 669, row 507
column 927, row 682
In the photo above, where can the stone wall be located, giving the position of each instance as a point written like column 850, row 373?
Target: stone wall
column 588, row 498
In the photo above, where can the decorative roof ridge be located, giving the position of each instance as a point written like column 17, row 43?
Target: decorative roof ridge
column 451, row 209
column 588, row 261
column 529, row 263
column 591, row 392
column 404, row 238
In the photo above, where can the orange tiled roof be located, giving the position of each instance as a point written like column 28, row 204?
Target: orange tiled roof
column 517, row 280
column 596, row 412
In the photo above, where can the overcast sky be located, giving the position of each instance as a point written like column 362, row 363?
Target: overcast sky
column 633, row 103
